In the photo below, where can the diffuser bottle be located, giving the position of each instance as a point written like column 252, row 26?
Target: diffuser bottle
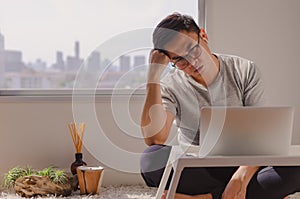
column 78, row 162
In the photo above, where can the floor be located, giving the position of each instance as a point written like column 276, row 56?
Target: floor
column 109, row 192
column 114, row 192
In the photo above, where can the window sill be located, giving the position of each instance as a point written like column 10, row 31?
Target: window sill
column 85, row 95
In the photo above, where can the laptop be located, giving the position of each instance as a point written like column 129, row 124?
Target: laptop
column 242, row 131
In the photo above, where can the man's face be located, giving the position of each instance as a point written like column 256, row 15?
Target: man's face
column 185, row 50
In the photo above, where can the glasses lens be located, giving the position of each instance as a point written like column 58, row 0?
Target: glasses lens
column 195, row 52
column 182, row 63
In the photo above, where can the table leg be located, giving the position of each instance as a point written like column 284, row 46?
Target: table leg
column 164, row 181
column 174, row 181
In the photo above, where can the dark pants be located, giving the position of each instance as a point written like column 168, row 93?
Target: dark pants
column 267, row 183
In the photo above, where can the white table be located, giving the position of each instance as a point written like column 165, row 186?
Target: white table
column 178, row 160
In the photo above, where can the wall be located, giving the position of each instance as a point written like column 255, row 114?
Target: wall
column 267, row 32
column 34, row 132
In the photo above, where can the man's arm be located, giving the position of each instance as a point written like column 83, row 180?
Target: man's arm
column 156, row 122
column 237, row 186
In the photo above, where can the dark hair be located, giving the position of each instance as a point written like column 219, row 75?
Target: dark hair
column 170, row 26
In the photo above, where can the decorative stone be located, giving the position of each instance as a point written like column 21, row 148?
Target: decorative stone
column 31, row 186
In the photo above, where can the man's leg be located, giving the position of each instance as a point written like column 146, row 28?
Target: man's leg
column 153, row 162
column 193, row 181
column 274, row 183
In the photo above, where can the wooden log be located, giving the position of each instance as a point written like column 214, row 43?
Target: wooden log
column 31, row 186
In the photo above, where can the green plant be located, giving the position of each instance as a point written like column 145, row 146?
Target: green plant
column 55, row 175
column 58, row 176
column 45, row 172
column 13, row 175
column 29, row 171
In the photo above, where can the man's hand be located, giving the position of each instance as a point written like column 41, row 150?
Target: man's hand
column 158, row 61
column 237, row 186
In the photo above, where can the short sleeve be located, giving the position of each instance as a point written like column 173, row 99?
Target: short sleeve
column 169, row 101
column 253, row 88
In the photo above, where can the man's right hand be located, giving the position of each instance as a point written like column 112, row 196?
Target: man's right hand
column 158, row 61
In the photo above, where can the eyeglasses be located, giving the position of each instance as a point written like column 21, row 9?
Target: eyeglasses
column 181, row 62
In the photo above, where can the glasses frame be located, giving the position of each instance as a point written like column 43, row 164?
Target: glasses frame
column 174, row 64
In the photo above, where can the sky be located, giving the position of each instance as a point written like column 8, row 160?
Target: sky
column 40, row 28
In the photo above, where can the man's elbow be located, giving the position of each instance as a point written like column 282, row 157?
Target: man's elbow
column 156, row 138
column 153, row 141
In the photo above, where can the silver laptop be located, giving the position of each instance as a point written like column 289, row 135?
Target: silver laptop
column 245, row 130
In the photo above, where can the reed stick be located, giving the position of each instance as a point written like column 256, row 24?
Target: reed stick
column 77, row 135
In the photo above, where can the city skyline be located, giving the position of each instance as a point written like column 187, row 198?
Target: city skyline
column 15, row 73
column 43, row 59
column 62, row 58
column 40, row 28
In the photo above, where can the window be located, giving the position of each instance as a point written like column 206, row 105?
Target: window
column 49, row 44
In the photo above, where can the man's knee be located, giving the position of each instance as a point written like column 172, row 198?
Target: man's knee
column 153, row 162
column 155, row 157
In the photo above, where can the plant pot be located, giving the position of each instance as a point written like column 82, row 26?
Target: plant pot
column 90, row 179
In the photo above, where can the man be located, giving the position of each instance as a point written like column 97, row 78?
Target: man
column 200, row 78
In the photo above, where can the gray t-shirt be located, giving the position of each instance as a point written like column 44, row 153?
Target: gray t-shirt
column 237, row 84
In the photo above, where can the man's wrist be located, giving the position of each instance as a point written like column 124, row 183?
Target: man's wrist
column 245, row 173
column 155, row 71
column 152, row 85
column 153, row 78
column 153, row 81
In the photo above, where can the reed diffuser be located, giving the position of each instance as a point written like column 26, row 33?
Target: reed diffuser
column 77, row 137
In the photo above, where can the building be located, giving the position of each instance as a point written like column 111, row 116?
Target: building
column 2, row 46
column 2, row 69
column 139, row 60
column 27, row 80
column 38, row 65
column 77, row 50
column 10, row 60
column 124, row 63
column 59, row 64
column 74, row 62
column 2, row 66
column 13, row 61
column 94, row 62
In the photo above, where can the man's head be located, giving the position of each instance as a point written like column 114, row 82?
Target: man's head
column 167, row 29
column 186, row 45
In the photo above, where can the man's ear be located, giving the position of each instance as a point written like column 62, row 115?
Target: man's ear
column 203, row 35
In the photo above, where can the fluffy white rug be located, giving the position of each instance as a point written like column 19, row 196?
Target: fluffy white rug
column 113, row 192
column 109, row 192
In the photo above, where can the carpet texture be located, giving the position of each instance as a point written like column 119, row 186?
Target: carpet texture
column 113, row 192
column 109, row 192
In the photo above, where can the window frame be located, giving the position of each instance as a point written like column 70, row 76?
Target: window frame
column 28, row 95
